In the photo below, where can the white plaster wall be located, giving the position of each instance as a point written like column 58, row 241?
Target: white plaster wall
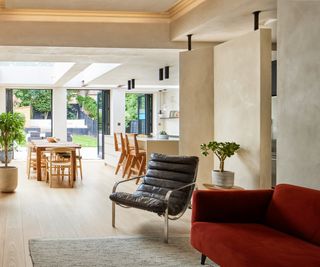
column 117, row 110
column 298, row 158
column 196, row 107
column 59, row 112
column 2, row 100
column 242, row 106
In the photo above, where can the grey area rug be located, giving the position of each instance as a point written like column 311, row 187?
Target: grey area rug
column 114, row 252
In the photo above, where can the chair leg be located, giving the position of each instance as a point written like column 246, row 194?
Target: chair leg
column 141, row 168
column 113, row 214
column 203, row 259
column 166, row 226
column 119, row 163
column 80, row 167
column 127, row 165
column 132, row 164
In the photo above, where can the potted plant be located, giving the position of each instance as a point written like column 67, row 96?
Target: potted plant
column 11, row 130
column 163, row 135
column 222, row 150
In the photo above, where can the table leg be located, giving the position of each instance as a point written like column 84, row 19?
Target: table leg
column 73, row 167
column 39, row 163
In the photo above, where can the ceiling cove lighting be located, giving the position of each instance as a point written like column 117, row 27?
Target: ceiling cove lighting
column 91, row 73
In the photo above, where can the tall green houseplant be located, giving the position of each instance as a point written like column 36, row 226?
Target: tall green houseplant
column 11, row 130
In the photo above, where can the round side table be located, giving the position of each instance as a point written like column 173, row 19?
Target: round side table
column 215, row 187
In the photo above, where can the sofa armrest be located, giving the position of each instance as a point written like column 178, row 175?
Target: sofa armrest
column 247, row 206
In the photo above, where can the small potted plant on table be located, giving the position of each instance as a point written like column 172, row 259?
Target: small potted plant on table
column 11, row 130
column 222, row 150
column 163, row 135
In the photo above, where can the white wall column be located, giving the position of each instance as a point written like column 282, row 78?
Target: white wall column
column 59, row 111
column 117, row 110
column 2, row 99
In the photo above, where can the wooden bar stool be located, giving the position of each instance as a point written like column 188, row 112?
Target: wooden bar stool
column 136, row 156
column 119, row 146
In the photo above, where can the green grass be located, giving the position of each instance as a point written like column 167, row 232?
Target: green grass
column 85, row 140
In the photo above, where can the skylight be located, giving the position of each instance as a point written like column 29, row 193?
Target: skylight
column 91, row 73
column 32, row 73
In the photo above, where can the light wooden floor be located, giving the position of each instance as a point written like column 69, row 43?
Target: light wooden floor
column 35, row 210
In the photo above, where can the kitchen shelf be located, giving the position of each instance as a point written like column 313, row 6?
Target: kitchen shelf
column 168, row 118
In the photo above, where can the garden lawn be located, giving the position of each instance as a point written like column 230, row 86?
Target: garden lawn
column 85, row 140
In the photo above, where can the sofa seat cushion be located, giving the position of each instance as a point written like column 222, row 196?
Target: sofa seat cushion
column 248, row 245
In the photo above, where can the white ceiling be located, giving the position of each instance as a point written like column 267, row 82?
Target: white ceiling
column 212, row 21
column 139, row 64
column 101, row 5
column 223, row 20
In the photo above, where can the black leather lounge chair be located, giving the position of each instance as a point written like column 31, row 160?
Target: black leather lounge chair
column 166, row 188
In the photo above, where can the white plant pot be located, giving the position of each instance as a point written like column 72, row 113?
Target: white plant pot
column 223, row 179
column 163, row 136
column 8, row 179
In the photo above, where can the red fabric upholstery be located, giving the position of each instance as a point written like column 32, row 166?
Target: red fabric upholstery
column 258, row 227
column 252, row 245
column 233, row 206
column 296, row 210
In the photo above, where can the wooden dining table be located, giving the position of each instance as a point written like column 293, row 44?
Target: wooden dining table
column 41, row 145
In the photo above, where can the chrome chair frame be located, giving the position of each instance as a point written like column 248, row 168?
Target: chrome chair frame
column 166, row 215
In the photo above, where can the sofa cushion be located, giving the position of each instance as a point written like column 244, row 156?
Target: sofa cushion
column 253, row 245
column 296, row 210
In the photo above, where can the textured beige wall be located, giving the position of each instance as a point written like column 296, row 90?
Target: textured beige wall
column 196, row 106
column 242, row 106
column 298, row 159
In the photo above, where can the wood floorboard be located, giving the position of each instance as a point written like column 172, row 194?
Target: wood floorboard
column 37, row 211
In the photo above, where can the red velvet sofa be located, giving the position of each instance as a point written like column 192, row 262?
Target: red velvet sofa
column 260, row 228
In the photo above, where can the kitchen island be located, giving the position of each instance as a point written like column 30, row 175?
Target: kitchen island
column 149, row 144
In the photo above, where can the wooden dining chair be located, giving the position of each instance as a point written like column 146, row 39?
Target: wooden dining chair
column 32, row 161
column 60, row 166
column 78, row 161
column 120, row 146
column 136, row 157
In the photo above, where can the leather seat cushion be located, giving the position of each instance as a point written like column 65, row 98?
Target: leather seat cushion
column 140, row 201
column 151, row 199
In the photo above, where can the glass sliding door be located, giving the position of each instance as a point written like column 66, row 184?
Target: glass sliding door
column 139, row 113
column 103, row 120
